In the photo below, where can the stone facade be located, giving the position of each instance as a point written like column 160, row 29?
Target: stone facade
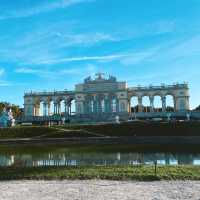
column 103, row 96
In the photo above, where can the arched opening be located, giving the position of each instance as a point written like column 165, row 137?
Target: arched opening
column 157, row 103
column 51, row 108
column 72, row 108
column 122, row 107
column 41, row 108
column 133, row 104
column 36, row 111
column 145, row 104
column 113, row 105
column 102, row 103
column 62, row 107
column 170, row 103
column 91, row 105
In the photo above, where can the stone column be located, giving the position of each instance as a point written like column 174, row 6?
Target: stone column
column 95, row 104
column 140, row 104
column 34, row 110
column 44, row 109
column 58, row 108
column 66, row 108
column 151, row 98
column 117, row 105
column 101, row 100
column 98, row 105
column 37, row 110
column 49, row 108
column 88, row 105
column 129, row 106
column 175, row 103
column 107, row 110
column 187, row 103
column 164, row 104
column 55, row 108
column 70, row 108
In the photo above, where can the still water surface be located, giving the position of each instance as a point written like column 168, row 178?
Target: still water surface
column 71, row 157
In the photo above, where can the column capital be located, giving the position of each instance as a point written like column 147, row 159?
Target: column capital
column 163, row 99
column 151, row 98
column 139, row 97
column 139, row 103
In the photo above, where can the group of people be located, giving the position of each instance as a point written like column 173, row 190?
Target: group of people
column 6, row 118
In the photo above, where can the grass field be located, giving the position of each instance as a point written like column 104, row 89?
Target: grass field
column 140, row 172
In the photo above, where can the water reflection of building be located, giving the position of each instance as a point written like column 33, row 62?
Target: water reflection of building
column 185, row 159
column 6, row 160
column 96, row 158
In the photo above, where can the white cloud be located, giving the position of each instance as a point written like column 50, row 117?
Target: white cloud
column 178, row 50
column 2, row 71
column 138, row 57
column 161, row 27
column 86, row 58
column 26, row 70
column 125, row 58
column 45, row 7
column 85, row 38
column 48, row 73
column 48, row 38
column 46, row 44
column 4, row 83
column 187, row 47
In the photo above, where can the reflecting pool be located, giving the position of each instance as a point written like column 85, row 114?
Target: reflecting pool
column 65, row 156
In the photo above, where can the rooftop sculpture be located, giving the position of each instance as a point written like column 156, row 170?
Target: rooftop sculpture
column 100, row 77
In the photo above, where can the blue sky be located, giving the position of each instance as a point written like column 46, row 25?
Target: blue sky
column 54, row 44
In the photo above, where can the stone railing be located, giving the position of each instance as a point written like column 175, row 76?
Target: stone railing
column 161, row 87
column 46, row 93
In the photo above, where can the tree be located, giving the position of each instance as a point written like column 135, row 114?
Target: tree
column 17, row 111
column 197, row 108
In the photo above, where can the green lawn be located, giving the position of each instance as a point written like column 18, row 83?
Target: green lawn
column 142, row 173
column 99, row 130
column 40, row 132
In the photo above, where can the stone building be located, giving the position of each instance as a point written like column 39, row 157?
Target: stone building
column 103, row 97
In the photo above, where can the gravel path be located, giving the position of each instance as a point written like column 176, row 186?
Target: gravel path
column 99, row 190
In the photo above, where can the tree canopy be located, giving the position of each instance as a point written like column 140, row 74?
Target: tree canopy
column 17, row 111
column 197, row 108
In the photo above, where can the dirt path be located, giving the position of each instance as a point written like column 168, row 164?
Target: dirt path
column 99, row 190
